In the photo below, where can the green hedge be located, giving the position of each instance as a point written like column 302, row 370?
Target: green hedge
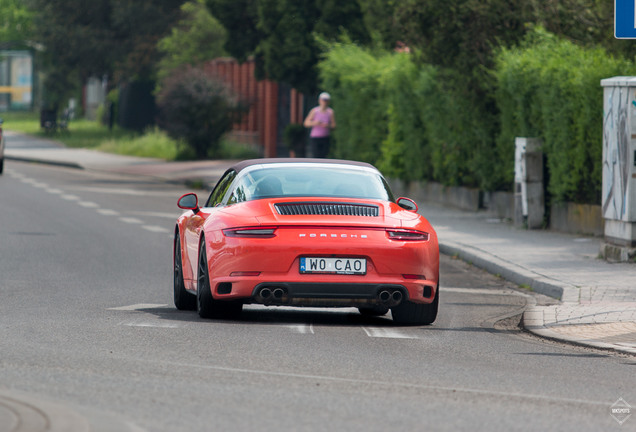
column 418, row 122
column 550, row 88
column 413, row 121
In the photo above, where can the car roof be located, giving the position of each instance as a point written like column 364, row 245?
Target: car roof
column 251, row 162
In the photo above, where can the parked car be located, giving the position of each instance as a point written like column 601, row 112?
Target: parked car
column 303, row 232
column 1, row 147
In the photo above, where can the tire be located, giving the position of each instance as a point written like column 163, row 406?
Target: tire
column 408, row 313
column 183, row 300
column 1, row 165
column 207, row 307
column 373, row 311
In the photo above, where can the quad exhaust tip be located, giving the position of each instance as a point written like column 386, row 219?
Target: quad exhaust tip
column 265, row 293
column 390, row 298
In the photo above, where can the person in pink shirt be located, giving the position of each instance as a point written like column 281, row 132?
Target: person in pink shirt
column 322, row 121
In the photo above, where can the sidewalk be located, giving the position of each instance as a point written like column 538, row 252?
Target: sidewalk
column 26, row 148
column 598, row 299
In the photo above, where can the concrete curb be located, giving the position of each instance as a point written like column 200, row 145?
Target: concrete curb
column 533, row 324
column 532, row 318
column 44, row 161
column 511, row 271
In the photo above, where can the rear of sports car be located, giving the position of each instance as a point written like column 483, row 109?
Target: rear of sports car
column 335, row 252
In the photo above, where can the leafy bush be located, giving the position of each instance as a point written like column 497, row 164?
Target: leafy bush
column 550, row 88
column 295, row 138
column 414, row 121
column 198, row 108
column 153, row 143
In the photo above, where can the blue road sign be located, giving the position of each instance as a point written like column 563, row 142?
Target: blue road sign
column 625, row 19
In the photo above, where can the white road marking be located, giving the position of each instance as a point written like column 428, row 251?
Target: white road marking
column 131, row 220
column 39, row 185
column 481, row 291
column 108, row 212
column 54, row 191
column 156, row 214
column 154, row 228
column 387, row 332
column 301, row 328
column 138, row 306
column 121, row 191
column 88, row 204
column 70, row 197
column 155, row 324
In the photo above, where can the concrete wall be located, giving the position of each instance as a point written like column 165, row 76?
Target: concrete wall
column 565, row 217
column 577, row 218
column 452, row 196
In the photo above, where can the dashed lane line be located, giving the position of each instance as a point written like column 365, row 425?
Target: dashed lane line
column 155, row 324
column 108, row 212
column 138, row 306
column 54, row 191
column 131, row 220
column 387, row 332
column 301, row 328
column 154, row 228
column 88, row 204
column 70, row 197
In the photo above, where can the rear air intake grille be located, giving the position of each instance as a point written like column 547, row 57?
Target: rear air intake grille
column 327, row 208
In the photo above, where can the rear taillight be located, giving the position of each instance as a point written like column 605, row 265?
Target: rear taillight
column 414, row 277
column 407, row 235
column 251, row 232
column 245, row 273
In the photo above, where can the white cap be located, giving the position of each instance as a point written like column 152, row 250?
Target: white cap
column 324, row 96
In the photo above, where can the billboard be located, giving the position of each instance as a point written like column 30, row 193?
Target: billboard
column 16, row 80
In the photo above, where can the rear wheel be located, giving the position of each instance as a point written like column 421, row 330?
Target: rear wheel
column 374, row 311
column 1, row 165
column 407, row 313
column 206, row 305
column 183, row 300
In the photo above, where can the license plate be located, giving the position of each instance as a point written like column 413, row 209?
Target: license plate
column 348, row 266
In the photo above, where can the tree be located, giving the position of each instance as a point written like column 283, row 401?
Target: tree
column 198, row 108
column 16, row 22
column 281, row 34
column 240, row 19
column 196, row 38
column 84, row 38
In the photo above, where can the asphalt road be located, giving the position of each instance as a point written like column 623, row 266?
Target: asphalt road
column 86, row 320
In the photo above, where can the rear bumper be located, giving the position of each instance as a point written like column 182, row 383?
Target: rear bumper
column 322, row 293
column 390, row 265
column 335, row 294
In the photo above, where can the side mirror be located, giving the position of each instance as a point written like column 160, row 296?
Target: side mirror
column 189, row 201
column 407, row 204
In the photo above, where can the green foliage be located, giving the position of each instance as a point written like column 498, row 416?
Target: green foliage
column 16, row 22
column 295, row 138
column 198, row 108
column 240, row 19
column 103, row 37
column 196, row 38
column 152, row 143
column 282, row 34
column 550, row 88
column 414, row 122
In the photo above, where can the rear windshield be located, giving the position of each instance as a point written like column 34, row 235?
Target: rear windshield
column 309, row 182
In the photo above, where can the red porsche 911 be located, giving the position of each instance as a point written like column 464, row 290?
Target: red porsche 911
column 303, row 232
